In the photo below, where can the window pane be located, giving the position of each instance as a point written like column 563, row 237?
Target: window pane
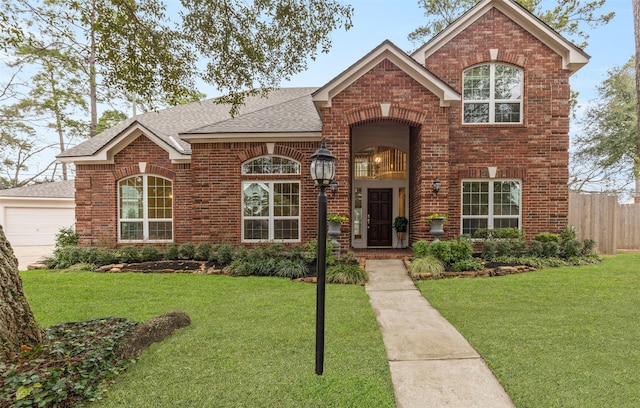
column 505, row 223
column 131, row 198
column 475, row 198
column 286, row 199
column 160, row 230
column 159, row 198
column 506, row 198
column 255, row 199
column 507, row 112
column 271, row 165
column 508, row 82
column 285, row 229
column 131, row 230
column 256, row 229
column 477, row 83
column 476, row 112
column 469, row 226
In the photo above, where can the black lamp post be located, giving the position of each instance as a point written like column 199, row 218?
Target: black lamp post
column 323, row 171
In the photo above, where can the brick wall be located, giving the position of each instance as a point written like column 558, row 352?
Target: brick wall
column 535, row 151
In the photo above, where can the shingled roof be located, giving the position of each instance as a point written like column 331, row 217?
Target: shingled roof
column 58, row 189
column 283, row 110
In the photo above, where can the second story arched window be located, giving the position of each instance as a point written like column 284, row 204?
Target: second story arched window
column 492, row 93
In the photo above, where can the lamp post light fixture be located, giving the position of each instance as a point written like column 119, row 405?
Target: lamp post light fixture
column 323, row 171
column 436, row 186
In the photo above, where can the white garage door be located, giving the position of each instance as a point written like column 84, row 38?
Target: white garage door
column 36, row 226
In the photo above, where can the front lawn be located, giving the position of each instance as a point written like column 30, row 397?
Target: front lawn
column 560, row 337
column 251, row 342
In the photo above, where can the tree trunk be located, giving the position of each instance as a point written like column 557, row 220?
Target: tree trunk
column 636, row 30
column 17, row 325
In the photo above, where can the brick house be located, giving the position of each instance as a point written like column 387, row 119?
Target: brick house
column 483, row 107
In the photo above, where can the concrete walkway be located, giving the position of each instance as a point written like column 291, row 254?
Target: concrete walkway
column 432, row 365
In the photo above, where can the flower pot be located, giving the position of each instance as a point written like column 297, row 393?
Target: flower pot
column 436, row 228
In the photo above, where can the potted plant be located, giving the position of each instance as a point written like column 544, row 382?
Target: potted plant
column 400, row 224
column 436, row 222
column 335, row 221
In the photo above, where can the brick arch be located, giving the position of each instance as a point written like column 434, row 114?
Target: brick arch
column 373, row 113
column 151, row 169
column 485, row 57
column 279, row 150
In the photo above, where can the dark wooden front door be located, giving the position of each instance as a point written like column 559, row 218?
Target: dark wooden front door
column 379, row 210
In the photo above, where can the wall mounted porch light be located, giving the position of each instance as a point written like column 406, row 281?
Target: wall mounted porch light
column 436, row 186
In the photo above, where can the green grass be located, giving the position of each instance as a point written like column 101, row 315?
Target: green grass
column 564, row 337
column 251, row 342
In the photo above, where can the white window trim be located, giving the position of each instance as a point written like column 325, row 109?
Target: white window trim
column 145, row 210
column 492, row 101
column 490, row 217
column 270, row 217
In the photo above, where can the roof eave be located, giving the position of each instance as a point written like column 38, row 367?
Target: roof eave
column 387, row 50
column 223, row 137
column 106, row 154
column 573, row 58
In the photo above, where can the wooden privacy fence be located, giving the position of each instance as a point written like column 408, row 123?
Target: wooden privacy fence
column 599, row 216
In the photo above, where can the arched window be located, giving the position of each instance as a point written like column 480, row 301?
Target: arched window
column 145, row 209
column 271, row 208
column 492, row 93
column 271, row 165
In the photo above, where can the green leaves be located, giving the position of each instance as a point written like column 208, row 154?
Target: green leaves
column 609, row 136
column 568, row 17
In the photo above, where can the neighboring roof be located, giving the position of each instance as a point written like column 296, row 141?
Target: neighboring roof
column 165, row 126
column 573, row 58
column 58, row 189
column 389, row 51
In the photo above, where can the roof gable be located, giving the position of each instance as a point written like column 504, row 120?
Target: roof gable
column 573, row 58
column 387, row 50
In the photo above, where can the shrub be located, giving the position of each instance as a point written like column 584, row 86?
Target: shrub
column 171, row 253
column 67, row 237
column 128, row 254
column 440, row 250
column 186, row 251
column 65, row 257
column 291, row 268
column 202, row 251
column 238, row 268
column 262, row 266
column 311, row 251
column 489, row 249
column 241, row 253
column 420, row 249
column 470, row 264
column 149, row 253
column 223, row 254
column 425, row 267
column 546, row 237
column 570, row 248
column 105, row 256
column 588, row 246
column 461, row 249
column 347, row 274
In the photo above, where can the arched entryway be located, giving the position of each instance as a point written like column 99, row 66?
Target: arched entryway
column 380, row 182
